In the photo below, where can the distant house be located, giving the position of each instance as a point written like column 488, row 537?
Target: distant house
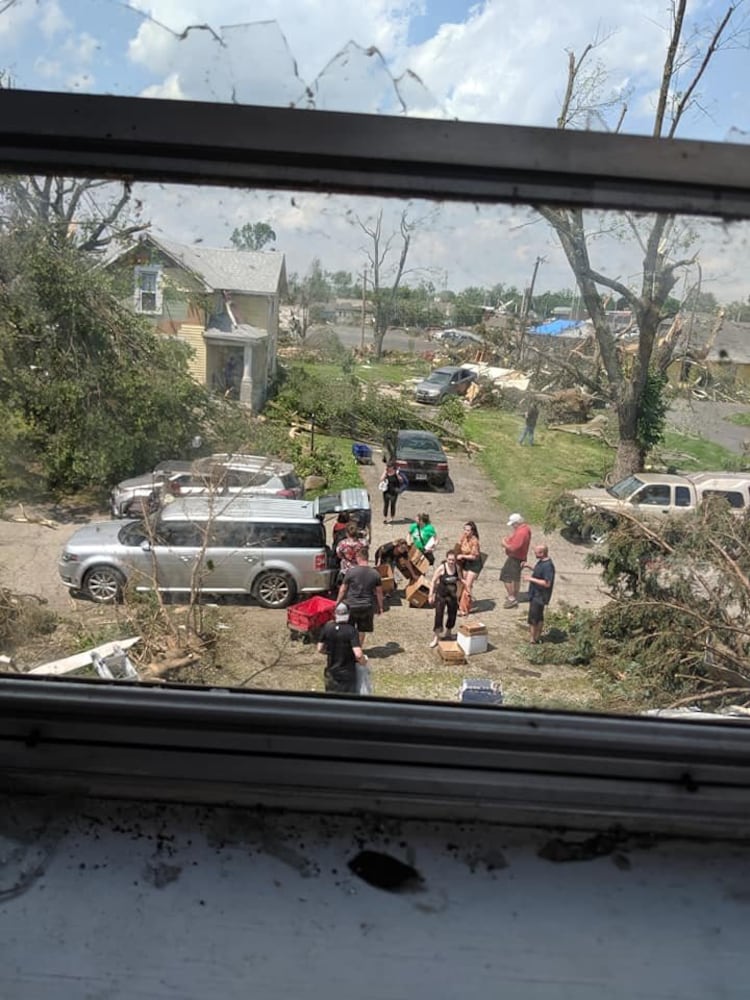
column 710, row 346
column 223, row 303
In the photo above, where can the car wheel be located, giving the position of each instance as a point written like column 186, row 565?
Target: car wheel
column 275, row 589
column 103, row 584
column 594, row 535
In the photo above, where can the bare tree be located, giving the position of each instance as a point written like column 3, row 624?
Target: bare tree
column 386, row 278
column 629, row 376
column 87, row 213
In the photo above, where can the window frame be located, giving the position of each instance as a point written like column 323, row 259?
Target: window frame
column 420, row 759
column 139, row 271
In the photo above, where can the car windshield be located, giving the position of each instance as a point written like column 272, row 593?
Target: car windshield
column 625, row 487
column 442, row 378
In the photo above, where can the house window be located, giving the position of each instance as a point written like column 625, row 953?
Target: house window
column 148, row 290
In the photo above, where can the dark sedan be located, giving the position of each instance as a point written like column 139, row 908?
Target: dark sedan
column 420, row 455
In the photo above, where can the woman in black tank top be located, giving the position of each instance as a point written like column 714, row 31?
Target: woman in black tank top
column 444, row 589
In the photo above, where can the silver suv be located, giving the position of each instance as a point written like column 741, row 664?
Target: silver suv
column 271, row 549
column 222, row 474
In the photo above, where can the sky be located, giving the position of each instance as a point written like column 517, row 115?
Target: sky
column 491, row 61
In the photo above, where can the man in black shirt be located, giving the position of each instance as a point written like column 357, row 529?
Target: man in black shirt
column 541, row 582
column 339, row 640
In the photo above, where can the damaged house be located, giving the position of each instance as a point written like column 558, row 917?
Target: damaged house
column 223, row 303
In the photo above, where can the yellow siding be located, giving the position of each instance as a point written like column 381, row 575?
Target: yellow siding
column 251, row 309
column 193, row 335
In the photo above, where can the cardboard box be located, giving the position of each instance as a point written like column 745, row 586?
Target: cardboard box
column 419, row 561
column 416, row 593
column 472, row 642
column 450, row 651
column 473, row 628
column 387, row 580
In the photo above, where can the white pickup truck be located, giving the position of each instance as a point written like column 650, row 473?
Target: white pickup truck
column 649, row 494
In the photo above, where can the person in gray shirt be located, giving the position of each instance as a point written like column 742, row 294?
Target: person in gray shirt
column 362, row 590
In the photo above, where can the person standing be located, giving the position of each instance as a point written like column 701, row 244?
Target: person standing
column 362, row 591
column 349, row 546
column 340, row 643
column 444, row 594
column 530, row 418
column 541, row 583
column 392, row 484
column 423, row 536
column 469, row 558
column 516, row 546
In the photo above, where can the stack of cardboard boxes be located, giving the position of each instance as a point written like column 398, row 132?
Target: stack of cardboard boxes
column 417, row 590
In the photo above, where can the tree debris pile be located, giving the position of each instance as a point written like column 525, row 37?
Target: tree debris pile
column 22, row 617
column 677, row 630
column 568, row 406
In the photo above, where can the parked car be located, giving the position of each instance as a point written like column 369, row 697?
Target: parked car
column 458, row 338
column 651, row 495
column 420, row 455
column 443, row 382
column 224, row 474
column 138, row 495
column 271, row 549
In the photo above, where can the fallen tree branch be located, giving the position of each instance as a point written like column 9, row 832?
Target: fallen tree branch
column 25, row 518
column 708, row 695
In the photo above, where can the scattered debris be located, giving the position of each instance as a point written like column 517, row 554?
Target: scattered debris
column 90, row 657
column 25, row 518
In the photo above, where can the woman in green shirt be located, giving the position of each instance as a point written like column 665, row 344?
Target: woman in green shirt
column 423, row 536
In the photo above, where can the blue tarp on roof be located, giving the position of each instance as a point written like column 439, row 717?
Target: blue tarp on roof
column 556, row 326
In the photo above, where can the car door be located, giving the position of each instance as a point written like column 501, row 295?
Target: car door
column 177, row 550
column 465, row 378
column 654, row 498
column 232, row 557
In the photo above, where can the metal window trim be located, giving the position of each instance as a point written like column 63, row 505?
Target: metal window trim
column 194, row 142
column 417, row 759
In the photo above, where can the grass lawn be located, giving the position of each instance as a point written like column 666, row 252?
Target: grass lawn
column 374, row 372
column 742, row 419
column 696, row 454
column 528, row 478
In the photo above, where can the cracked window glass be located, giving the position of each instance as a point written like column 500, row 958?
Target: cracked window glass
column 185, row 358
column 486, row 62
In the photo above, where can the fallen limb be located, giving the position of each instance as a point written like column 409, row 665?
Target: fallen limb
column 153, row 670
column 25, row 518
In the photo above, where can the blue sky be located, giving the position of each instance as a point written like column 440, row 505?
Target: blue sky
column 493, row 60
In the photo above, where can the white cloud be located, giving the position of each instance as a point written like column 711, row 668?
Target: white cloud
column 51, row 20
column 82, row 48
column 314, row 31
column 508, row 62
column 49, row 69
column 169, row 89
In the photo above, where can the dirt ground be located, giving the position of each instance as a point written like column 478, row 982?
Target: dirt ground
column 257, row 649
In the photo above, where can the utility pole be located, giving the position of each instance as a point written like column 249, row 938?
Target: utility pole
column 364, row 308
column 526, row 306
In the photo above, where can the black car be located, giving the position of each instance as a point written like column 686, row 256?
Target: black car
column 420, row 455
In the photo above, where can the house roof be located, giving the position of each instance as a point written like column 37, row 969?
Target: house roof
column 729, row 345
column 248, row 271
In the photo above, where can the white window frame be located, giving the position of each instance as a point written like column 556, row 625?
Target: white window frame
column 323, row 753
column 139, row 291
